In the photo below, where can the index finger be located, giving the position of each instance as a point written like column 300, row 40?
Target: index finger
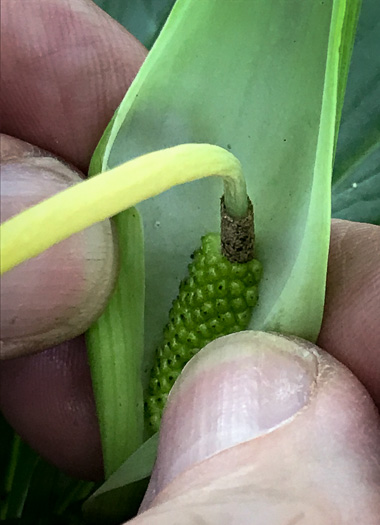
column 350, row 329
column 65, row 68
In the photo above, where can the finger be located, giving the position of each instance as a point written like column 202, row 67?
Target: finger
column 351, row 327
column 48, row 400
column 261, row 429
column 65, row 67
column 57, row 295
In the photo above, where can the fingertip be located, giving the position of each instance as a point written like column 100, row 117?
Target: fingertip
column 351, row 330
column 65, row 68
column 48, row 399
column 239, row 387
column 323, row 450
column 57, row 295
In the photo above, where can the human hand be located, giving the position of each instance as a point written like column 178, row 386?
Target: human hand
column 64, row 69
column 291, row 465
column 62, row 79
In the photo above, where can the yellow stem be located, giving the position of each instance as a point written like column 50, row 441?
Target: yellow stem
column 34, row 230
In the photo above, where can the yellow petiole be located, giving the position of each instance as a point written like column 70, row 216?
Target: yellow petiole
column 31, row 232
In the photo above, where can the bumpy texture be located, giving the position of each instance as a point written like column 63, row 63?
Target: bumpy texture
column 216, row 299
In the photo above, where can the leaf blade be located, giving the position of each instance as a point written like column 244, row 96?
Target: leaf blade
column 143, row 18
column 356, row 177
column 115, row 349
column 169, row 103
column 22, row 463
column 178, row 118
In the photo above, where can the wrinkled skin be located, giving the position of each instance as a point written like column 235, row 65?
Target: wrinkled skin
column 308, row 434
column 221, row 461
column 65, row 66
column 57, row 295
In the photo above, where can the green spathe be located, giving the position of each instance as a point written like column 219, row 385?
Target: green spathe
column 265, row 80
column 260, row 78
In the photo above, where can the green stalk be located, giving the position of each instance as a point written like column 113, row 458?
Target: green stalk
column 115, row 349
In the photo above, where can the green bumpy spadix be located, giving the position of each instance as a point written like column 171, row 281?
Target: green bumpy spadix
column 215, row 299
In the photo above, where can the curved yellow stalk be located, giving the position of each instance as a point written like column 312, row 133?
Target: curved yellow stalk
column 86, row 203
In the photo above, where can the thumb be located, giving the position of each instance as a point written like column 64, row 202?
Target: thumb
column 261, row 429
column 57, row 295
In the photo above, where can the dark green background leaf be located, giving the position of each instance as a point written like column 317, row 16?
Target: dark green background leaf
column 22, row 461
column 33, row 491
column 143, row 18
column 356, row 179
column 6, row 440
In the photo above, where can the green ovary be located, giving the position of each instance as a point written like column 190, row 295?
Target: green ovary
column 216, row 299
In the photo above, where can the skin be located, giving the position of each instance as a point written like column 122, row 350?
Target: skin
column 331, row 439
column 76, row 276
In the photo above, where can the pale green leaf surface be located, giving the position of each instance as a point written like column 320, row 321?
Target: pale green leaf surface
column 115, row 349
column 260, row 96
column 361, row 112
column 118, row 498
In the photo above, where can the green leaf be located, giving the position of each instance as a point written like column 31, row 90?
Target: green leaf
column 356, row 178
column 42, row 492
column 143, row 18
column 115, row 350
column 6, row 440
column 33, row 491
column 21, row 465
column 119, row 497
column 270, row 119
column 264, row 80
column 356, row 162
column 52, row 495
column 356, row 195
column 71, row 491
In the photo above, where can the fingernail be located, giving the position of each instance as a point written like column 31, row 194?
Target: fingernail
column 237, row 388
